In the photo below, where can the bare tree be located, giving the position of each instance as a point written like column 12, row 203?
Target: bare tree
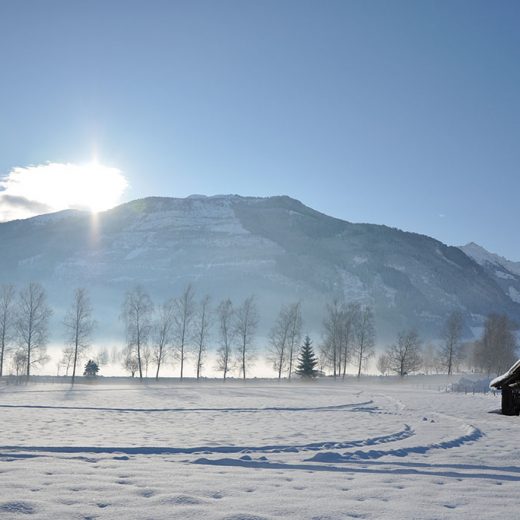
column 137, row 315
column 365, row 338
column 146, row 358
column 163, row 330
column 32, row 325
column 19, row 362
column 7, row 321
column 202, row 330
column 383, row 364
column 67, row 358
column 295, row 335
column 340, row 332
column 246, row 321
column 350, row 322
column 404, row 355
column 78, row 327
column 183, row 323
column 496, row 351
column 129, row 360
column 284, row 339
column 449, row 351
column 332, row 324
column 279, row 340
column 226, row 333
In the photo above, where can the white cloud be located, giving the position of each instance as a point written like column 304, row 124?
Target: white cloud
column 44, row 188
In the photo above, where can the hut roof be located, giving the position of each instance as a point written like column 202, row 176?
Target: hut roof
column 510, row 377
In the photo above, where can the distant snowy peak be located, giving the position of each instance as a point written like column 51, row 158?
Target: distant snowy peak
column 505, row 272
column 482, row 256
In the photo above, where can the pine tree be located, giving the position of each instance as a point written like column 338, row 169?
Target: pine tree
column 307, row 361
column 91, row 369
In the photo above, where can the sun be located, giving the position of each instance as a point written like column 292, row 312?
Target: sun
column 94, row 186
column 51, row 187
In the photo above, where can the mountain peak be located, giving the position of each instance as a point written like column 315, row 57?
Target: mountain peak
column 482, row 256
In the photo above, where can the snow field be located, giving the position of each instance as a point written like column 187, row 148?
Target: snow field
column 258, row 450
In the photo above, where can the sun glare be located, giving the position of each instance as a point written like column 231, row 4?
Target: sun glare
column 96, row 187
column 58, row 186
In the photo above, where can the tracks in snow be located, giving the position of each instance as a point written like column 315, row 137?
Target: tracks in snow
column 160, row 450
column 367, row 406
column 327, row 454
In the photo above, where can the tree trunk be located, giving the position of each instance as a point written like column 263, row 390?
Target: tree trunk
column 198, row 363
column 158, row 365
column 244, row 361
column 2, row 357
column 182, row 360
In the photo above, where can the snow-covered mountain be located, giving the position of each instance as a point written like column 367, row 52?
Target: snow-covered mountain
column 505, row 272
column 232, row 246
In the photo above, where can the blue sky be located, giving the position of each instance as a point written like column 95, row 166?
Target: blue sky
column 405, row 113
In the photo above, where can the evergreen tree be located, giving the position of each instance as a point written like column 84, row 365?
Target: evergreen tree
column 307, row 361
column 91, row 369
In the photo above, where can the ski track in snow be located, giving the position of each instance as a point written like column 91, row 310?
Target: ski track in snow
column 353, row 407
column 478, row 472
column 472, row 435
column 162, row 450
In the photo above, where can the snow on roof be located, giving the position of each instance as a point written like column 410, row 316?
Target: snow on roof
column 504, row 378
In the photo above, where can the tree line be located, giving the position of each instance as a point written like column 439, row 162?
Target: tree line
column 180, row 329
column 493, row 353
column 183, row 329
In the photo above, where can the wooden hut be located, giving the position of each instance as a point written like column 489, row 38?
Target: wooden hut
column 509, row 384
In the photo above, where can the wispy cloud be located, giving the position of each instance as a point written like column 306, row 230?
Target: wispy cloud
column 44, row 188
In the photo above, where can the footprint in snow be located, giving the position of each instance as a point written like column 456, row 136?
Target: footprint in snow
column 23, row 508
column 244, row 516
column 185, row 500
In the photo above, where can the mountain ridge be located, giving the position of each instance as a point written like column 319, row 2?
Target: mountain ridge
column 232, row 246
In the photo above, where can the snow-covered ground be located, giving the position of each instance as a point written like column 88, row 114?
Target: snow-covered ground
column 253, row 451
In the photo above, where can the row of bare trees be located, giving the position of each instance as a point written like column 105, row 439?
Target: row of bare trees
column 180, row 329
column 407, row 354
column 24, row 320
column 177, row 330
column 497, row 349
column 284, row 339
column 492, row 354
column 348, row 338
column 24, row 327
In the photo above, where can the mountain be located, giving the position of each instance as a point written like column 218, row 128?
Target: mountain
column 505, row 273
column 230, row 246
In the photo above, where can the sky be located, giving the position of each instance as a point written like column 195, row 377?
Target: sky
column 402, row 113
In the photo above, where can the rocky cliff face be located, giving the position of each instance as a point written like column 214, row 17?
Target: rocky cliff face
column 231, row 246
